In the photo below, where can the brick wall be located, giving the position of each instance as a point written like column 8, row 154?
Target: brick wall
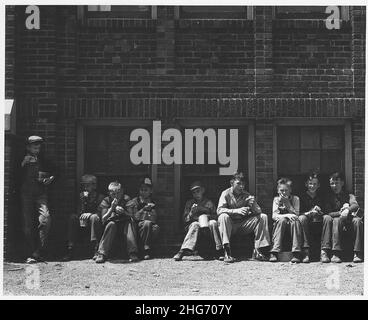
column 258, row 70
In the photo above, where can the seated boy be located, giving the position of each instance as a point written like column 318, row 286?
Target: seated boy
column 88, row 216
column 195, row 207
column 344, row 210
column 285, row 212
column 142, row 209
column 312, row 212
column 115, row 218
column 238, row 210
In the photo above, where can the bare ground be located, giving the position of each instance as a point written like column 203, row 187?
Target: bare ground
column 192, row 276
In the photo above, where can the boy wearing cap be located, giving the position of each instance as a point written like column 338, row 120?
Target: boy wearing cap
column 115, row 218
column 37, row 174
column 88, row 216
column 237, row 209
column 344, row 209
column 142, row 209
column 194, row 208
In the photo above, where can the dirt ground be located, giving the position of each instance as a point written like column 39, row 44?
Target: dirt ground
column 192, row 276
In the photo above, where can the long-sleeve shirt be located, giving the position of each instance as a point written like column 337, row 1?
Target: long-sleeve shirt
column 279, row 207
column 136, row 204
column 307, row 202
column 335, row 202
column 209, row 206
column 229, row 201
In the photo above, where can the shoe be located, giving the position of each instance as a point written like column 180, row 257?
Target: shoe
column 219, row 255
column 273, row 257
column 31, row 260
column 257, row 255
column 100, row 258
column 324, row 257
column 133, row 258
column 95, row 256
column 295, row 258
column 358, row 257
column 336, row 259
column 147, row 255
column 306, row 256
column 229, row 259
column 179, row 256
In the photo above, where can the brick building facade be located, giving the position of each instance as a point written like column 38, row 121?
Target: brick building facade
column 294, row 89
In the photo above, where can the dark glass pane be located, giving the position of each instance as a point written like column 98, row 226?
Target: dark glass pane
column 301, row 12
column 310, row 160
column 332, row 138
column 332, row 161
column 107, row 151
column 288, row 138
column 212, row 12
column 310, row 138
column 119, row 11
column 288, row 162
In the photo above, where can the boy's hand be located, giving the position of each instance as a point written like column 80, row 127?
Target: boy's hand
column 85, row 216
column 114, row 203
column 251, row 200
column 47, row 181
column 120, row 209
column 291, row 216
column 28, row 159
column 242, row 211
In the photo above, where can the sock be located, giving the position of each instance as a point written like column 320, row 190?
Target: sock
column 227, row 249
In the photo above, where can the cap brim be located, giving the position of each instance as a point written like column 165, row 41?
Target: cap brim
column 195, row 187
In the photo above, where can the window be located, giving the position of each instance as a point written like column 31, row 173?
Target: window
column 214, row 12
column 136, row 12
column 107, row 155
column 208, row 174
column 302, row 149
column 307, row 12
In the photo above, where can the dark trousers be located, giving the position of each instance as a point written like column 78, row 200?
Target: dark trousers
column 339, row 224
column 36, row 222
column 147, row 232
column 110, row 233
column 74, row 229
column 280, row 227
column 325, row 224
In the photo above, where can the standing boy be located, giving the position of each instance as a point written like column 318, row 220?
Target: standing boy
column 285, row 212
column 36, row 176
column 195, row 207
column 87, row 217
column 115, row 218
column 343, row 207
column 237, row 209
column 143, row 211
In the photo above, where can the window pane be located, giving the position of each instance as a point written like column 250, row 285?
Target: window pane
column 310, row 160
column 107, row 151
column 310, row 137
column 301, row 12
column 332, row 138
column 332, row 161
column 288, row 162
column 119, row 11
column 288, row 138
column 211, row 12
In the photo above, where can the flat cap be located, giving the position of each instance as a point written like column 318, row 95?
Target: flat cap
column 34, row 139
column 195, row 185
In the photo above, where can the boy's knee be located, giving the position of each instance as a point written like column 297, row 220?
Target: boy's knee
column 223, row 218
column 147, row 224
column 111, row 225
column 327, row 218
column 303, row 218
column 94, row 218
column 213, row 223
column 263, row 217
column 282, row 220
